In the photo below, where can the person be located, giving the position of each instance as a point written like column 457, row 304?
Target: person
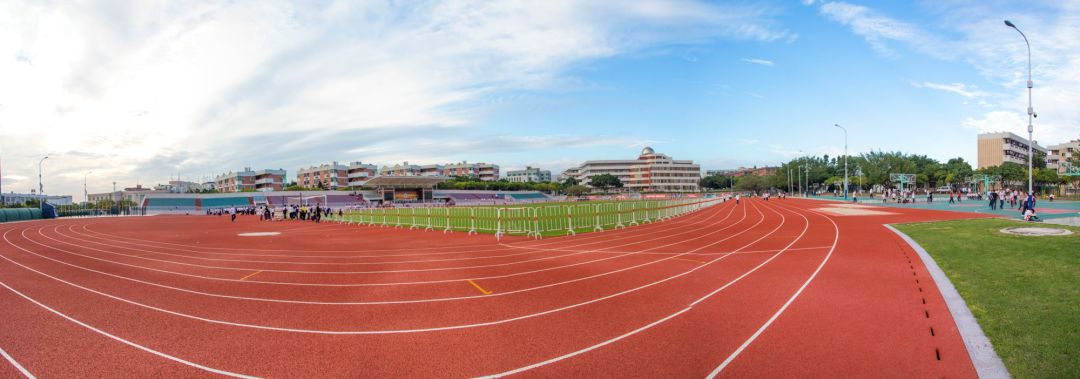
column 951, row 199
column 736, row 199
column 930, row 197
column 1051, row 197
column 1001, row 200
column 993, row 201
column 232, row 214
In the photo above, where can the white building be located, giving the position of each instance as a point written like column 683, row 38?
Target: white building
column 650, row 172
column 529, row 174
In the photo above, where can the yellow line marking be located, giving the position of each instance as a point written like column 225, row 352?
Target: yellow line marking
column 689, row 260
column 484, row 291
column 250, row 275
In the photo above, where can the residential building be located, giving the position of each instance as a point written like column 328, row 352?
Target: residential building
column 529, row 174
column 270, row 180
column 250, row 180
column 482, row 171
column 359, row 173
column 997, row 148
column 1060, row 157
column 650, row 172
column 331, row 176
column 405, row 169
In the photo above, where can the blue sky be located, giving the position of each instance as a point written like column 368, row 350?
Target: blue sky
column 137, row 92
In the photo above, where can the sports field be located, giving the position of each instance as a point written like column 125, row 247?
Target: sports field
column 1045, row 208
column 533, row 220
column 781, row 288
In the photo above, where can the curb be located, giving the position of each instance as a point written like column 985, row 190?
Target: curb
column 987, row 363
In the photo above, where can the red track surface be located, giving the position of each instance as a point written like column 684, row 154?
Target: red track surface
column 761, row 289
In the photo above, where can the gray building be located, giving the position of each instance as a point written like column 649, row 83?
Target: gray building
column 21, row 198
column 529, row 174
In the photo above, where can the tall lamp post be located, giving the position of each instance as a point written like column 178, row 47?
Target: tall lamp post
column 86, row 195
column 1030, row 110
column 845, row 159
column 41, row 187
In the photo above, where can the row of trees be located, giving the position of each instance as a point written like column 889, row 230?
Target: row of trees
column 873, row 169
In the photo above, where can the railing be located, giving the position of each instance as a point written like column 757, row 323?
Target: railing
column 533, row 221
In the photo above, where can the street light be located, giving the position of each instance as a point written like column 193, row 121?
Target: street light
column 86, row 195
column 1030, row 110
column 41, row 187
column 845, row 159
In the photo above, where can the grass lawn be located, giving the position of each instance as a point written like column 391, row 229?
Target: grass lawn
column 1024, row 291
column 547, row 219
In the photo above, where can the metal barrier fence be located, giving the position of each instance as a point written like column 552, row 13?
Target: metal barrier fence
column 533, row 221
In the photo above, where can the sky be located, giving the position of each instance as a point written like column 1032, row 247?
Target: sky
column 144, row 91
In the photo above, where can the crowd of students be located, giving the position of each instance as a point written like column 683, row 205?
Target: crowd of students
column 266, row 213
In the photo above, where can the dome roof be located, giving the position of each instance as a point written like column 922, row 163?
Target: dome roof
column 647, row 150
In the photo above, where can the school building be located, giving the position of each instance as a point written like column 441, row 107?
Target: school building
column 997, row 148
column 482, row 171
column 250, row 180
column 1060, row 157
column 529, row 174
column 650, row 172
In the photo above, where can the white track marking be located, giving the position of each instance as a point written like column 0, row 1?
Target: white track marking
column 311, row 284
column 399, row 331
column 504, row 293
column 658, row 322
column 662, row 230
column 735, row 354
column 471, row 246
column 21, row 369
column 124, row 341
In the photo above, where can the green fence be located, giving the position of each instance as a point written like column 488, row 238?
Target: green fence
column 19, row 214
column 535, row 220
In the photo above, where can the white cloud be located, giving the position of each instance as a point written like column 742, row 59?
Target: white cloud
column 145, row 89
column 877, row 28
column 957, row 88
column 762, row 62
column 998, row 121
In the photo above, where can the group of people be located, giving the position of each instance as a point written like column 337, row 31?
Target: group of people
column 267, row 213
column 1025, row 205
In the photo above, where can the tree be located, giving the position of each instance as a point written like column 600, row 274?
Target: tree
column 605, row 181
column 751, row 183
column 569, row 182
column 715, row 182
column 576, row 190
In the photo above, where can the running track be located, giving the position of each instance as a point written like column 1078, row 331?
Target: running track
column 758, row 289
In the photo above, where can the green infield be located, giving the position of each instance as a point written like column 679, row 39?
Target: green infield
column 1023, row 290
column 534, row 220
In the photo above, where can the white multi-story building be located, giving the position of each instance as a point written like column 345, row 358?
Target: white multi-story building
column 529, row 174
column 1060, row 157
column 650, row 172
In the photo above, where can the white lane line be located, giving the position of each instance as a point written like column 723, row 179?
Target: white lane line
column 735, row 354
column 399, row 331
column 18, row 366
column 85, row 227
column 658, row 322
column 245, row 269
column 536, row 250
column 124, row 341
column 385, row 284
column 348, row 303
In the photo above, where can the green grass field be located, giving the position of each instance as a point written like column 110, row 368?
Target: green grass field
column 544, row 219
column 1024, row 291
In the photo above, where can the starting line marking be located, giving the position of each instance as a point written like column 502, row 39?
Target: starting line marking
column 482, row 290
column 250, row 275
